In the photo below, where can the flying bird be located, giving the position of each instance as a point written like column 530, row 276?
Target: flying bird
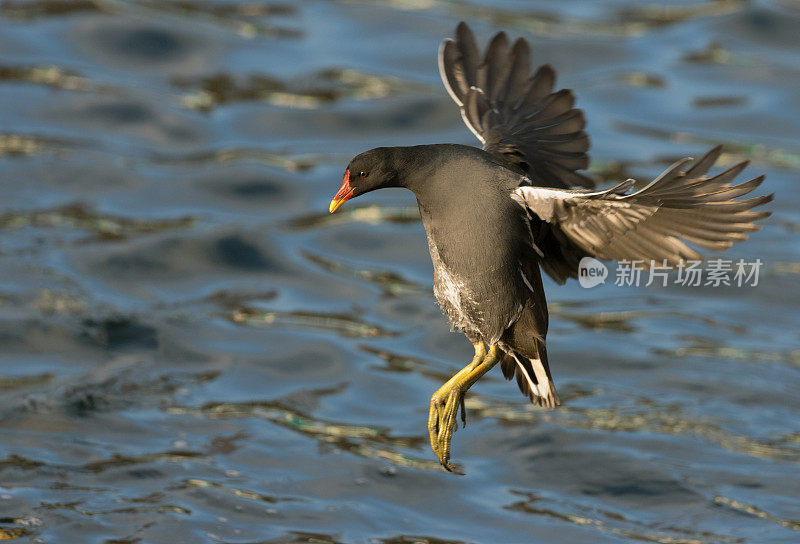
column 496, row 216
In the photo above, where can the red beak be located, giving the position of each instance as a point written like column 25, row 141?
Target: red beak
column 344, row 194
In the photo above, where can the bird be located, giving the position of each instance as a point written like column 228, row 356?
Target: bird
column 495, row 216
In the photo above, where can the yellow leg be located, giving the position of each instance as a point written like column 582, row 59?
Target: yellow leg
column 439, row 398
column 447, row 399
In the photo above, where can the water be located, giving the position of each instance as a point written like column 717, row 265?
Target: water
column 195, row 351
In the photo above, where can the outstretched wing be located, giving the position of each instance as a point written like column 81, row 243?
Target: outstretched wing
column 514, row 114
column 654, row 223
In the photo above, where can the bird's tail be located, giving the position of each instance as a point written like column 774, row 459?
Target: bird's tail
column 533, row 376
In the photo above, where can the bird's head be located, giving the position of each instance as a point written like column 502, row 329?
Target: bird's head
column 373, row 169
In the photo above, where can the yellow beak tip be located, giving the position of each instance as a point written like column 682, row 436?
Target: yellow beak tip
column 335, row 204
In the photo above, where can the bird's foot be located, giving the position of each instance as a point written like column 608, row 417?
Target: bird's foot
column 442, row 422
column 443, row 414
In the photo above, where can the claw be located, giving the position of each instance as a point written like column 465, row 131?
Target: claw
column 445, row 403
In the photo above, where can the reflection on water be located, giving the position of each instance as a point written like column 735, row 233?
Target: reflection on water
column 309, row 93
column 78, row 216
column 612, row 522
column 195, row 350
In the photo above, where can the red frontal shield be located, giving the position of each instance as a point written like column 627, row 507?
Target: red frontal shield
column 343, row 195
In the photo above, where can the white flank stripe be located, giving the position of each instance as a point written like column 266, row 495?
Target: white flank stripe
column 525, row 279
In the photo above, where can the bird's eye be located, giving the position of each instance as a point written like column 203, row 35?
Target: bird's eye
column 363, row 174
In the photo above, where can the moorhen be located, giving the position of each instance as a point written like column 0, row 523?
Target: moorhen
column 495, row 216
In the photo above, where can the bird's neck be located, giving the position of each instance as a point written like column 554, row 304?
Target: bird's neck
column 415, row 167
column 419, row 168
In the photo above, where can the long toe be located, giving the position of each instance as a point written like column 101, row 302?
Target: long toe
column 448, row 423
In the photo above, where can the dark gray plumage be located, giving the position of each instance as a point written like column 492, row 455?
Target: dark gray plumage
column 513, row 113
column 494, row 216
column 650, row 224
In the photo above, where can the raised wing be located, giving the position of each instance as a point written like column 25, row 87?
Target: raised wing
column 652, row 224
column 514, row 114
